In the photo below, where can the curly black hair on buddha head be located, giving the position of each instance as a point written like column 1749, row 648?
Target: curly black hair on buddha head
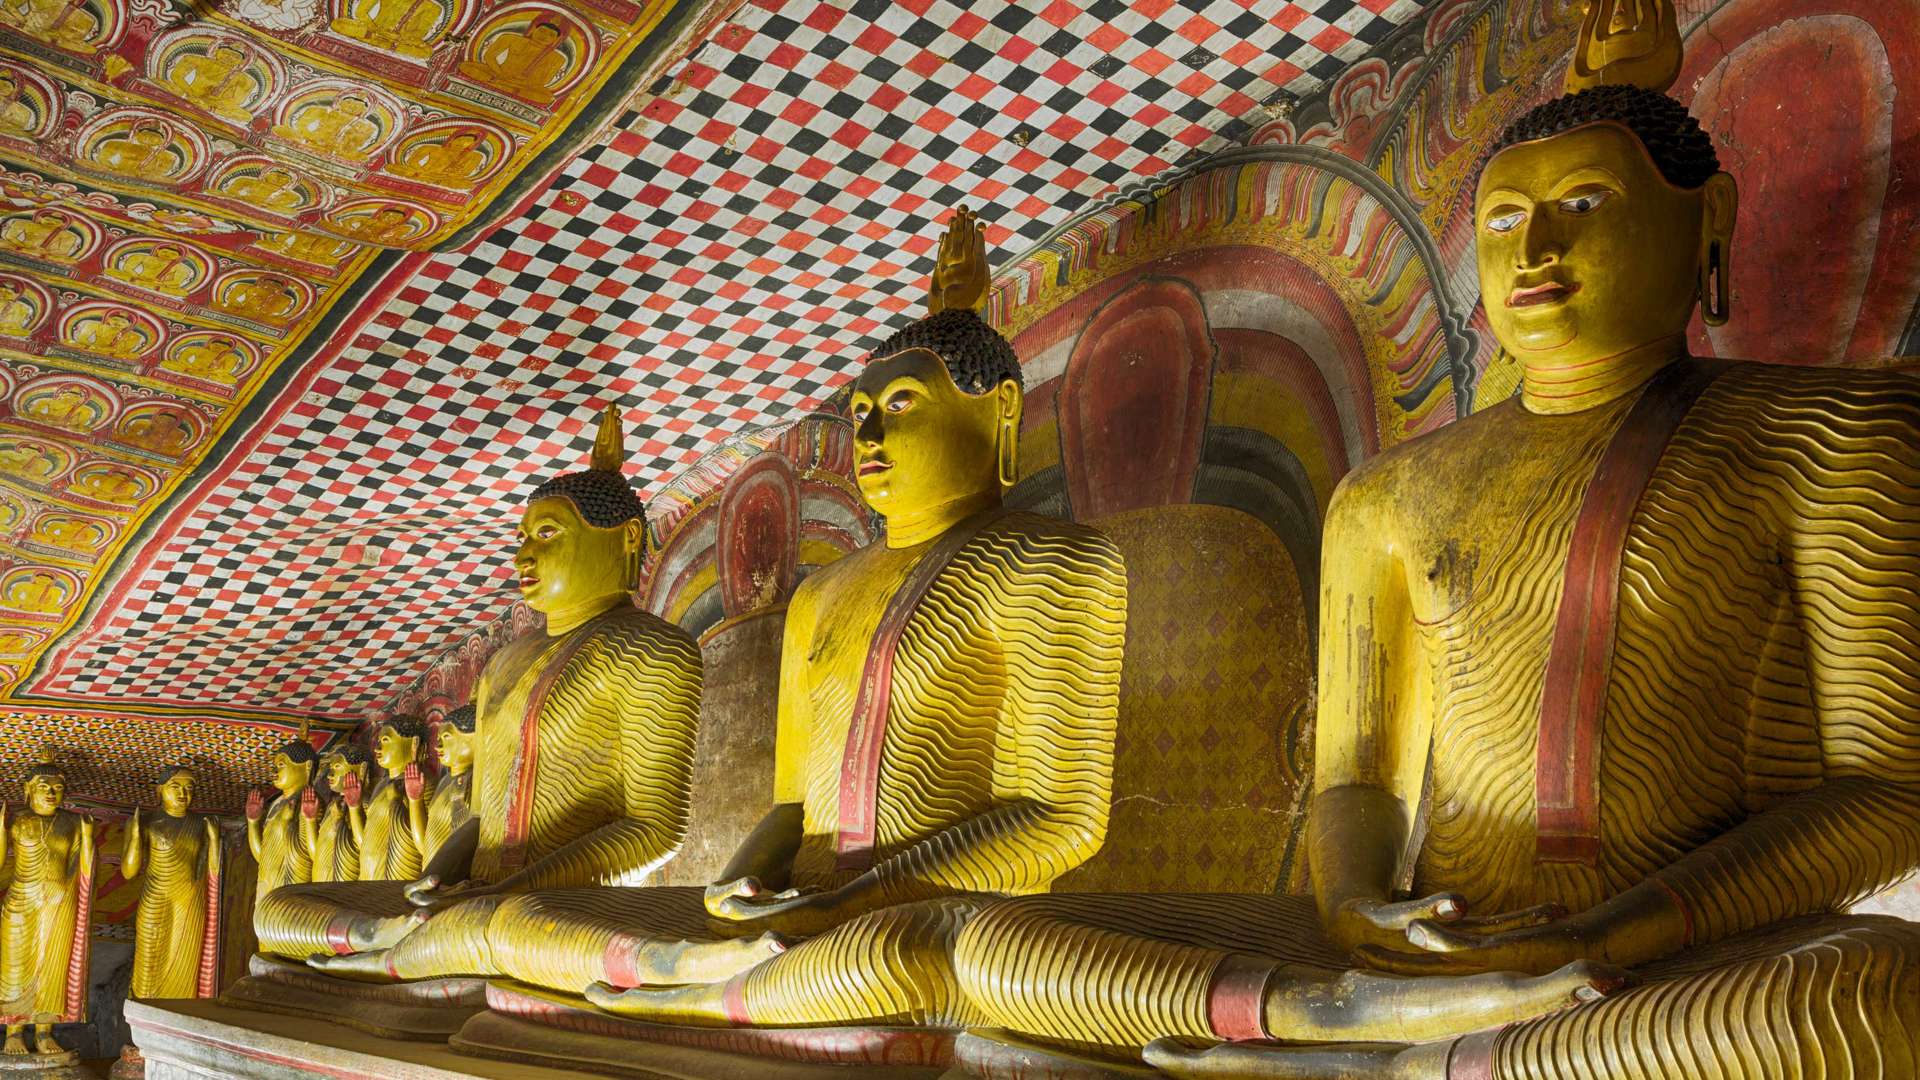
column 299, row 751
column 461, row 719
column 353, row 753
column 1680, row 149
column 407, row 727
column 604, row 499
column 977, row 357
column 168, row 772
column 46, row 769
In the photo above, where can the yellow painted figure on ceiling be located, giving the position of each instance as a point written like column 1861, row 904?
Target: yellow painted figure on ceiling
column 582, row 750
column 17, row 118
column 336, row 854
column 65, row 24
column 177, row 857
column 44, row 234
column 162, row 268
column 212, row 357
column 407, row 27
column 19, row 311
column 273, row 189
column 527, row 63
column 448, row 162
column 259, row 297
column 145, row 151
column 1647, row 672
column 217, row 80
column 339, row 127
column 280, row 843
column 48, row 852
column 110, row 333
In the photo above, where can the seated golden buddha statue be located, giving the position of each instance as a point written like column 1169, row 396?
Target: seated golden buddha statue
column 1653, row 689
column 281, row 844
column 447, row 809
column 945, row 729
column 387, row 821
column 47, row 854
column 583, row 740
column 177, row 857
column 336, row 854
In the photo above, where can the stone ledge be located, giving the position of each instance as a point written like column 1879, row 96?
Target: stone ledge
column 207, row 1040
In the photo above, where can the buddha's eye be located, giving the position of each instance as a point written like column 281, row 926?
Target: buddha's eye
column 546, row 532
column 1507, row 222
column 860, row 411
column 899, row 403
column 1584, row 203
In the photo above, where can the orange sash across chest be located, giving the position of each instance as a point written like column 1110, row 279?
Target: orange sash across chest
column 1580, row 657
column 867, row 734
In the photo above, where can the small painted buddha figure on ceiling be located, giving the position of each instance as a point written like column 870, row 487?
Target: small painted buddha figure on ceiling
column 47, row 854
column 1652, row 669
column 176, row 857
column 582, row 752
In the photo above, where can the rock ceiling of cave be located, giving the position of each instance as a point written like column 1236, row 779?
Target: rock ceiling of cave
column 297, row 296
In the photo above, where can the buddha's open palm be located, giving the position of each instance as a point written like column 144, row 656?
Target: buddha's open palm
column 960, row 274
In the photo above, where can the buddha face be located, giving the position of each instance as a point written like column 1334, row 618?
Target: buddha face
column 45, row 793
column 176, row 793
column 149, row 137
column 1585, row 251
column 227, row 57
column 456, row 748
column 350, row 106
column 394, row 751
column 920, row 442
column 290, row 775
column 544, row 34
column 564, row 562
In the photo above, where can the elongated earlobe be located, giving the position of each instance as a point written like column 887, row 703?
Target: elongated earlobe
column 1007, row 436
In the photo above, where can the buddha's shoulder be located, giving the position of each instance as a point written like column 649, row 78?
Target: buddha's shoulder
column 1035, row 543
column 632, row 630
column 1410, row 468
column 1769, row 399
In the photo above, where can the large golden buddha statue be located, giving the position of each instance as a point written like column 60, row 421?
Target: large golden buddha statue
column 176, row 929
column 47, row 854
column 281, row 843
column 1648, row 674
column 945, row 729
column 583, row 747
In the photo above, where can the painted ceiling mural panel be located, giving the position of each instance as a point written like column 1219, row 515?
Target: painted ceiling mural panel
column 717, row 259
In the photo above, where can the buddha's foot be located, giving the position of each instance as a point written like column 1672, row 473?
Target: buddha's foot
column 360, row 967
column 1360, row 1007
column 45, row 1043
column 680, row 963
column 377, row 934
column 703, row 1005
column 15, row 1045
column 1271, row 1061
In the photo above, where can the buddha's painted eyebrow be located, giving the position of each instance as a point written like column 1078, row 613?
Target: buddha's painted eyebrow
column 1505, row 193
column 1587, row 175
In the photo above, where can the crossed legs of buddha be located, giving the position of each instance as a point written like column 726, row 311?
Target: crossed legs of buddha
column 1113, row 972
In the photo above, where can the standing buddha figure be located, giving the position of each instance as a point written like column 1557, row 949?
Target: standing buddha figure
column 176, row 926
column 1654, row 693
column 448, row 808
column 387, row 822
column 48, row 853
column 583, row 749
column 947, row 709
column 280, row 842
column 336, row 854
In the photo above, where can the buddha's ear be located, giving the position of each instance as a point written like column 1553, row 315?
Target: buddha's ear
column 1008, row 403
column 1719, row 206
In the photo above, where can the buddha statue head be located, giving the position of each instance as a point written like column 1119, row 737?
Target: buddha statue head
column 338, row 764
column 46, row 788
column 456, row 740
column 174, row 785
column 398, row 744
column 936, row 411
column 1602, row 216
column 582, row 537
column 293, row 766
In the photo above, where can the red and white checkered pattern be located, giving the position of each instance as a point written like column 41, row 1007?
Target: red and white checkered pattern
column 719, row 260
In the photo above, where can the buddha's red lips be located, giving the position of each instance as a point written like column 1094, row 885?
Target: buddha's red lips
column 868, row 467
column 528, row 581
column 1545, row 293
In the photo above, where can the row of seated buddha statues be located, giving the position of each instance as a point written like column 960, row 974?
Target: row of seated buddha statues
column 1611, row 731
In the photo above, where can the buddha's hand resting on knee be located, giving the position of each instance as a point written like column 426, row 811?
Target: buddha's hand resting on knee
column 431, row 897
column 1363, row 1006
column 743, row 904
column 1639, row 925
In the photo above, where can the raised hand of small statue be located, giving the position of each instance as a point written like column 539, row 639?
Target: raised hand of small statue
column 350, row 790
column 133, row 831
column 310, row 804
column 415, row 781
column 256, row 804
column 960, row 276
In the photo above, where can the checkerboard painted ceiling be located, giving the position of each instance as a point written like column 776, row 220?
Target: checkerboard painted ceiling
column 716, row 260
